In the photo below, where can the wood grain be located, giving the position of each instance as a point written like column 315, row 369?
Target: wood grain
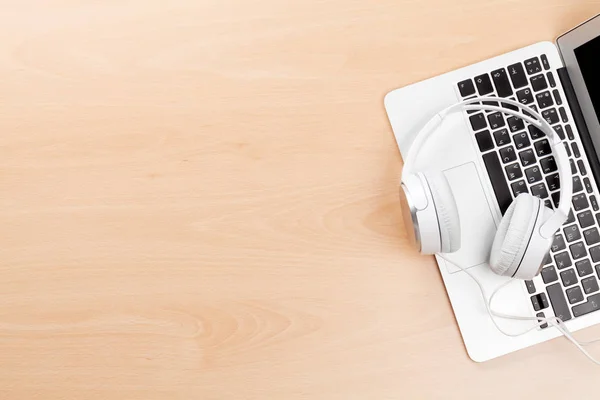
column 200, row 201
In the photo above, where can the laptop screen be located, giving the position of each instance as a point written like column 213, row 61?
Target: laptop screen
column 588, row 58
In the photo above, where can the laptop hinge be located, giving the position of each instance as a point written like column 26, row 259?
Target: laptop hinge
column 582, row 128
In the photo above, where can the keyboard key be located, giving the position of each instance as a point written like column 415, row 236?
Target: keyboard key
column 572, row 233
column 549, row 274
column 527, row 157
column 484, row 84
column 580, row 202
column 530, row 287
column 515, row 124
column 570, row 132
column 555, row 198
column 521, row 140
column 547, row 259
column 584, row 267
column 544, row 100
column 513, row 171
column 525, row 96
column 559, row 304
column 501, row 82
column 484, row 140
column 588, row 185
column 545, row 62
column 542, row 148
column 581, row 167
column 548, row 164
column 539, row 301
column 550, row 116
column 578, row 250
column 591, row 236
column 502, row 137
column 557, row 98
column 559, row 130
column 563, row 115
column 598, row 269
column 567, row 148
column 573, row 167
column 496, row 120
column 575, row 148
column 577, row 186
column 478, row 122
column 548, row 203
column 563, row 260
column 575, row 295
column 466, row 88
column 590, row 285
column 539, row 83
column 558, row 243
column 494, row 170
column 585, row 218
column 535, row 133
column 553, row 182
column 539, row 190
column 568, row 277
column 533, row 174
column 472, row 104
column 517, row 75
column 519, row 187
column 533, row 66
column 510, row 106
column 551, row 79
column 571, row 218
column 594, row 203
column 595, row 253
column 591, row 305
column 542, row 315
column 508, row 154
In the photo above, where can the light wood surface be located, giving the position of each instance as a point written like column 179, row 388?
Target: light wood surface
column 199, row 201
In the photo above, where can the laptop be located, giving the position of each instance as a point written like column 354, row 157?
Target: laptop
column 490, row 158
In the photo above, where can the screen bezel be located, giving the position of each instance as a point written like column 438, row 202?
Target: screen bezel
column 567, row 43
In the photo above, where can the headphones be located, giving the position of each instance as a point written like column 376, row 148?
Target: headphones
column 527, row 229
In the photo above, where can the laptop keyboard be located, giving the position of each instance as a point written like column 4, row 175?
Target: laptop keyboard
column 518, row 159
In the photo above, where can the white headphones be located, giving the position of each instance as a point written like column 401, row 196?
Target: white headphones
column 527, row 228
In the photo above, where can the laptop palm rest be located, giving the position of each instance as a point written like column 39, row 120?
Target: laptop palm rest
column 476, row 221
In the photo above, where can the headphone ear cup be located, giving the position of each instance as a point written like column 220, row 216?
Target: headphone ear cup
column 446, row 210
column 514, row 234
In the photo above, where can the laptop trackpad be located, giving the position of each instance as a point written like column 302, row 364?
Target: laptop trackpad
column 476, row 221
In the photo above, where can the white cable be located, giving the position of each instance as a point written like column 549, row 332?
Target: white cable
column 554, row 321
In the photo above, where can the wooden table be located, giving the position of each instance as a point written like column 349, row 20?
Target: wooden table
column 200, row 201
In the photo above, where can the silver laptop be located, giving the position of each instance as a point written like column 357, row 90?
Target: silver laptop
column 490, row 158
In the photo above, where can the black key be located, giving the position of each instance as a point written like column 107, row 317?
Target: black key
column 595, row 253
column 575, row 295
column 542, row 148
column 484, row 84
column 533, row 174
column 573, row 167
column 501, row 82
column 533, row 65
column 521, row 140
column 557, row 98
column 576, row 152
column 496, row 120
column 567, row 148
column 510, row 106
column 466, row 88
column 598, row 269
column 562, row 260
column 524, row 96
column 535, row 133
column 548, row 164
column 568, row 277
column 478, row 122
column 559, row 130
column 502, row 137
column 530, row 287
column 555, row 198
column 517, row 75
column 591, row 236
column 542, row 315
column 544, row 100
column 513, row 171
column 591, row 305
column 553, row 182
column 550, row 116
column 494, row 170
column 508, row 154
column 539, row 190
column 547, row 259
column 577, row 186
column 572, row 233
column 549, row 274
column 472, row 104
column 577, row 250
column 584, row 267
column 559, row 304
column 558, row 243
column 570, row 132
column 519, row 187
column 585, row 218
column 581, row 167
column 551, row 79
column 539, row 301
column 539, row 83
column 590, row 285
column 491, row 103
column 571, row 218
column 594, row 203
column 548, row 204
column 580, row 202
column 545, row 62
column 588, row 185
column 484, row 140
column 515, row 124
column 563, row 115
